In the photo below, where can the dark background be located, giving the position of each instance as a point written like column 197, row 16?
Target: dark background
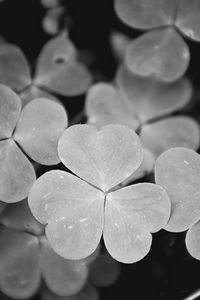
column 168, row 271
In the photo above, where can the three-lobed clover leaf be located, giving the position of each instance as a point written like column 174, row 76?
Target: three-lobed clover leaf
column 160, row 53
column 26, row 258
column 78, row 210
column 34, row 130
column 57, row 70
column 178, row 171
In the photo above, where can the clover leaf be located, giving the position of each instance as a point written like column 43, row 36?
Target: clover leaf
column 178, row 171
column 34, row 131
column 145, row 105
column 57, row 70
column 160, row 53
column 78, row 210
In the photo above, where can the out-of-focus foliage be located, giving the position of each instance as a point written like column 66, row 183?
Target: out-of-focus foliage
column 178, row 171
column 160, row 53
column 58, row 69
column 104, row 271
column 25, row 258
column 144, row 14
column 89, row 292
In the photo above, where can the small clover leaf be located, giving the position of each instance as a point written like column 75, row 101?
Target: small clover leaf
column 77, row 211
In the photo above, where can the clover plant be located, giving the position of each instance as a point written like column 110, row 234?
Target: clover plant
column 99, row 150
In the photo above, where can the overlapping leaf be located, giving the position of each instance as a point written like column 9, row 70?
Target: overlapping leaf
column 150, row 98
column 105, row 104
column 39, row 127
column 145, row 168
column 161, row 54
column 19, row 217
column 26, row 257
column 63, row 277
column 10, row 108
column 34, row 92
column 78, row 212
column 144, row 14
column 14, row 69
column 178, row 171
column 34, row 130
column 19, row 267
column 170, row 132
column 58, row 69
column 17, row 174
